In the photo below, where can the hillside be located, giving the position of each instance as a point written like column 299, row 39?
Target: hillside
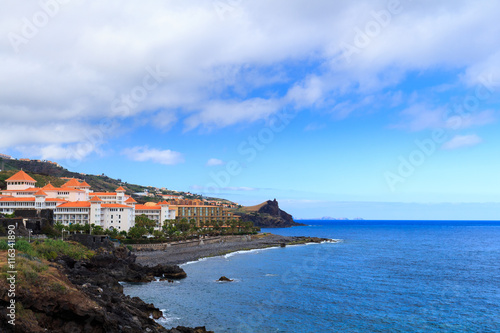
column 45, row 172
column 267, row 215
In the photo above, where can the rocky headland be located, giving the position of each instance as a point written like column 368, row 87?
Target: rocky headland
column 267, row 215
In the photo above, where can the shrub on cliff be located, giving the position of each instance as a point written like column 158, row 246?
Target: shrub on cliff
column 50, row 249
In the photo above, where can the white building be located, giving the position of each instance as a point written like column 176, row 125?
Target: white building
column 157, row 212
column 74, row 202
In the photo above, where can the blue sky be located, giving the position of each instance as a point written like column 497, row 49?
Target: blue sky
column 373, row 109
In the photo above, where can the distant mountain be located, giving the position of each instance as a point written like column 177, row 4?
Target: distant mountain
column 267, row 215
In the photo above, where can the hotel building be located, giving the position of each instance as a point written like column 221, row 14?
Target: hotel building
column 75, row 202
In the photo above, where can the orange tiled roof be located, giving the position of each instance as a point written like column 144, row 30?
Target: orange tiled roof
column 71, row 183
column 12, row 199
column 104, row 193
column 21, row 176
column 130, row 200
column 84, row 184
column 120, row 189
column 143, row 207
column 41, row 193
column 31, row 189
column 28, row 190
column 95, row 198
column 49, row 186
column 77, row 204
column 115, row 206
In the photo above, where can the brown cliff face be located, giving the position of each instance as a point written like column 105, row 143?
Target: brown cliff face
column 268, row 215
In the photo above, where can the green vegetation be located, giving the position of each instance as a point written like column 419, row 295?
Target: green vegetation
column 58, row 288
column 51, row 249
column 143, row 222
column 176, row 230
column 28, row 269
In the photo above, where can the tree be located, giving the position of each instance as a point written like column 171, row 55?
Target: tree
column 97, row 230
column 137, row 231
column 143, row 221
column 183, row 226
column 170, row 229
column 217, row 226
column 58, row 226
column 112, row 232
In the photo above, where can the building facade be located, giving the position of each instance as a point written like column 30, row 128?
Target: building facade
column 75, row 202
column 205, row 214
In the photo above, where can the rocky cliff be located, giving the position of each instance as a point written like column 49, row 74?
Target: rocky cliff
column 85, row 296
column 267, row 215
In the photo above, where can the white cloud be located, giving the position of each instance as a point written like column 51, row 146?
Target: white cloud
column 217, row 114
column 460, row 141
column 164, row 120
column 220, row 70
column 143, row 154
column 421, row 116
column 214, row 162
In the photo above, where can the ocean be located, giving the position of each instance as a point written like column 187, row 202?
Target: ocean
column 382, row 276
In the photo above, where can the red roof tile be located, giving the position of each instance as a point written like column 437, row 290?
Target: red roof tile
column 72, row 183
column 16, row 199
column 120, row 189
column 77, row 204
column 21, row 176
column 49, row 186
column 143, row 207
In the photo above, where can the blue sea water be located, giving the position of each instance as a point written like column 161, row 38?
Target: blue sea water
column 384, row 276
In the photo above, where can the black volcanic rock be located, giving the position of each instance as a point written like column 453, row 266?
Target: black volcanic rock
column 270, row 216
column 89, row 297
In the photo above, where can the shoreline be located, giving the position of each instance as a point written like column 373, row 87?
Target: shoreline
column 229, row 244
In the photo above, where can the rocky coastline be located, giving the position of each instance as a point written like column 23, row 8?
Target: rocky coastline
column 90, row 299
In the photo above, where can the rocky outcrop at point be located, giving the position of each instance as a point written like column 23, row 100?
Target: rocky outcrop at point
column 269, row 215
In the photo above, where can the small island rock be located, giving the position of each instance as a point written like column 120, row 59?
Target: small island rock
column 224, row 279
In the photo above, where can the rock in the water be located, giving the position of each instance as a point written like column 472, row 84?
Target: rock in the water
column 224, row 279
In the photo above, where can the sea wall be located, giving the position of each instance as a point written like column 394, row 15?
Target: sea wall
column 191, row 243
